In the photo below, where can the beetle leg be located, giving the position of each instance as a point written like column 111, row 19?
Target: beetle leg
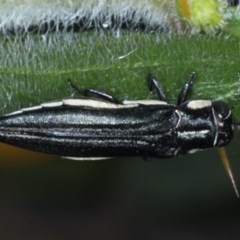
column 186, row 89
column 89, row 91
column 155, row 83
column 100, row 94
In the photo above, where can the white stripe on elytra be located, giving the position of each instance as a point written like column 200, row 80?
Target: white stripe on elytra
column 101, row 104
column 86, row 158
column 90, row 103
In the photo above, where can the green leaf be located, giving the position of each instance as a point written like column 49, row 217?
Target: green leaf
column 35, row 69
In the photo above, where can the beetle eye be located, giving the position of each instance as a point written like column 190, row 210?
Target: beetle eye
column 221, row 110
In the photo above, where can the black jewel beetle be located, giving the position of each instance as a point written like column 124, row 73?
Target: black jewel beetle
column 103, row 127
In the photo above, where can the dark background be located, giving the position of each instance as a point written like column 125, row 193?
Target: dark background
column 187, row 197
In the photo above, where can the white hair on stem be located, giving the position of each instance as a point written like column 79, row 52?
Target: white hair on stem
column 19, row 16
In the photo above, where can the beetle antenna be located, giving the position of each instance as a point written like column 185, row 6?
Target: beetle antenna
column 223, row 156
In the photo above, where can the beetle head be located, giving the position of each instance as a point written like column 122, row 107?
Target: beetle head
column 223, row 122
